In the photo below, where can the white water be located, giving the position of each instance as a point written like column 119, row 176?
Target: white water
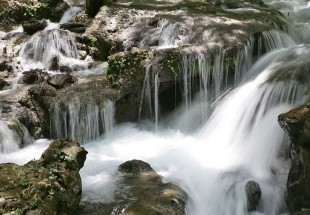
column 55, row 50
column 82, row 120
column 7, row 141
column 240, row 142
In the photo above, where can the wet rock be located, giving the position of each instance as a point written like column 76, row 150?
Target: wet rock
column 34, row 76
column 253, row 193
column 141, row 191
column 60, row 80
column 3, row 83
column 135, row 167
column 5, row 66
column 65, row 69
column 74, row 27
column 54, row 63
column 140, row 24
column 32, row 27
column 93, row 6
column 297, row 124
column 50, row 185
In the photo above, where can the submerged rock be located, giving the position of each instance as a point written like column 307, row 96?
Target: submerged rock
column 135, row 167
column 297, row 124
column 253, row 193
column 141, row 191
column 50, row 185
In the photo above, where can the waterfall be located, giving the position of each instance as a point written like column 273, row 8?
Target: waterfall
column 46, row 48
column 81, row 120
column 8, row 141
column 230, row 106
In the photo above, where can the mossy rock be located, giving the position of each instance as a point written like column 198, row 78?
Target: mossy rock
column 48, row 186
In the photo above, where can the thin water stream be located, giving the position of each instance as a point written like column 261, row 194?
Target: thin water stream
column 240, row 140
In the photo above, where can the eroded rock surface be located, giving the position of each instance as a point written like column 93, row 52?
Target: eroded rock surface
column 297, row 124
column 50, row 185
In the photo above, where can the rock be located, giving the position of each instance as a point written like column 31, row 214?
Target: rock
column 32, row 27
column 2, row 202
column 3, row 83
column 135, row 167
column 54, row 63
column 253, row 193
column 121, row 27
column 65, row 69
column 34, row 76
column 93, row 6
column 50, row 185
column 74, row 27
column 18, row 11
column 142, row 192
column 60, row 80
column 297, row 124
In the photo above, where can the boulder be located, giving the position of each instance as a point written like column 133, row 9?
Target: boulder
column 32, row 27
column 74, row 27
column 93, row 6
column 60, row 80
column 3, row 83
column 142, row 192
column 297, row 124
column 121, row 27
column 253, row 193
column 135, row 167
column 17, row 11
column 50, row 185
column 34, row 76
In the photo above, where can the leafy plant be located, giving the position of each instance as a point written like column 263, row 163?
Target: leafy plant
column 24, row 182
column 68, row 158
column 33, row 8
column 33, row 203
column 52, row 177
column 18, row 212
column 93, row 41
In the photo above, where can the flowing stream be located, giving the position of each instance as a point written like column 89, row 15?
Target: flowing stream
column 240, row 139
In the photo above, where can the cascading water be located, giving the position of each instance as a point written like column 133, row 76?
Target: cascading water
column 82, row 120
column 55, row 50
column 241, row 141
column 8, row 142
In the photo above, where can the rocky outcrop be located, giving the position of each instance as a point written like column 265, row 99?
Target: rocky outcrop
column 15, row 12
column 297, row 124
column 50, row 185
column 74, row 27
column 32, row 27
column 142, row 192
column 253, row 193
column 123, row 26
column 93, row 6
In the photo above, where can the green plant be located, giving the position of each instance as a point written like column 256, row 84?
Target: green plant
column 52, row 177
column 33, row 203
column 33, row 8
column 93, row 41
column 112, row 78
column 24, row 182
column 51, row 192
column 18, row 212
column 68, row 158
